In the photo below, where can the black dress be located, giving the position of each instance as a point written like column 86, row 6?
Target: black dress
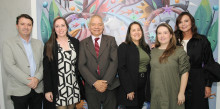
column 200, row 53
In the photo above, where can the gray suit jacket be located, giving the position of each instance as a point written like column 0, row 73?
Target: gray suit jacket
column 16, row 64
column 108, row 62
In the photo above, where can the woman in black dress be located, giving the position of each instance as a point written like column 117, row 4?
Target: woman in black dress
column 199, row 50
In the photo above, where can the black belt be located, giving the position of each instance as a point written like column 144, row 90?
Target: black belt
column 195, row 67
column 141, row 74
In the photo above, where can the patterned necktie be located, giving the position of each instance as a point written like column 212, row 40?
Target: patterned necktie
column 97, row 52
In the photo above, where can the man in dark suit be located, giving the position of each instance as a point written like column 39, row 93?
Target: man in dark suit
column 98, row 66
column 22, row 60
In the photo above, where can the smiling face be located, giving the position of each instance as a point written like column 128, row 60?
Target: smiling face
column 24, row 27
column 96, row 26
column 185, row 24
column 163, row 35
column 135, row 33
column 60, row 28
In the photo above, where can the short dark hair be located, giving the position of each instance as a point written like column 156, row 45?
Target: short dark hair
column 24, row 16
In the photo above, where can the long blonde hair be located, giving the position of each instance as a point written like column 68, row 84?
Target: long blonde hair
column 171, row 46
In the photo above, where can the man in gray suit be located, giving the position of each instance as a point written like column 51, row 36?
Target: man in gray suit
column 98, row 65
column 22, row 60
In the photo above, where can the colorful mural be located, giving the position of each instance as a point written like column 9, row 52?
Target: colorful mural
column 118, row 14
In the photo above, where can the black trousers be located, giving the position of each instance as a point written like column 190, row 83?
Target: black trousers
column 140, row 92
column 32, row 100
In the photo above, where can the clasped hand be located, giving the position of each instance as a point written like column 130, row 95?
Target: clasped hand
column 100, row 85
column 33, row 82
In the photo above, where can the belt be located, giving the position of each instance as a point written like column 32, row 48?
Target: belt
column 141, row 74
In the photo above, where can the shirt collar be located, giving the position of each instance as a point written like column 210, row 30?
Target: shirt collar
column 93, row 37
column 24, row 41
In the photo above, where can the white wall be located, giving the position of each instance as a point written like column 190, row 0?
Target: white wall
column 34, row 16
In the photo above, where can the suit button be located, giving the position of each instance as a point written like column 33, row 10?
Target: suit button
column 28, row 66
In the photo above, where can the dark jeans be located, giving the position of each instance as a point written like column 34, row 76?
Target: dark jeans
column 32, row 100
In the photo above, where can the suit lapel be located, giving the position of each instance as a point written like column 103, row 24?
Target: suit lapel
column 20, row 44
column 102, row 45
column 90, row 46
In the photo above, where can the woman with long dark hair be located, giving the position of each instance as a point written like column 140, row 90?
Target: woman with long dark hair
column 169, row 71
column 134, row 68
column 62, row 84
column 199, row 50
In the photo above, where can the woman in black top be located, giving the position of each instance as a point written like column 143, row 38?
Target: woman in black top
column 133, row 68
